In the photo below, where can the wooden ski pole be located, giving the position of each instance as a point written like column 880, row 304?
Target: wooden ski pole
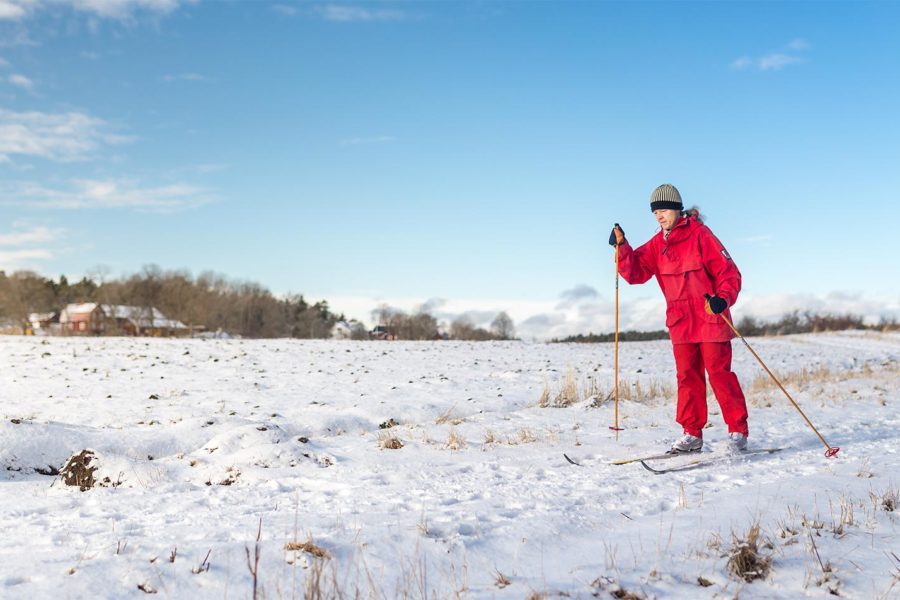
column 831, row 451
column 616, row 383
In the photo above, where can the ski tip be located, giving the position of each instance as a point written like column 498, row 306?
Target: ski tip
column 649, row 468
column 566, row 456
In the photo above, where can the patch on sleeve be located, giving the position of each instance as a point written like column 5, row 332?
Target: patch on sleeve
column 725, row 254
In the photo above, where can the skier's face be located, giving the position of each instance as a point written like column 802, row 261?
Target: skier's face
column 666, row 218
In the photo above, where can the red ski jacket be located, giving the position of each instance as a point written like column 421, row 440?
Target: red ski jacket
column 689, row 263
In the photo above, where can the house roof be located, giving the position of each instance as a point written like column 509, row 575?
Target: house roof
column 74, row 313
column 136, row 315
column 141, row 317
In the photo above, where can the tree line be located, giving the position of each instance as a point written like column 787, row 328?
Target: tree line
column 213, row 302
column 789, row 323
column 209, row 300
column 421, row 325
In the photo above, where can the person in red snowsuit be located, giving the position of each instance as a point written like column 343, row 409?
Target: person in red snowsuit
column 689, row 263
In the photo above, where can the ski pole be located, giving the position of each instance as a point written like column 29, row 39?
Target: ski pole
column 616, row 384
column 832, row 451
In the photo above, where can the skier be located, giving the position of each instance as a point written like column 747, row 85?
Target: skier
column 691, row 265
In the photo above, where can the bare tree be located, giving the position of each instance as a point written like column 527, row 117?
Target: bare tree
column 502, row 327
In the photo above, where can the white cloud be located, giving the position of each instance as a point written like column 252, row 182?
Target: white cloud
column 32, row 236
column 15, row 252
column 345, row 13
column 285, row 9
column 13, row 10
column 63, row 137
column 18, row 10
column 21, row 81
column 774, row 61
column 777, row 61
column 107, row 194
column 18, row 258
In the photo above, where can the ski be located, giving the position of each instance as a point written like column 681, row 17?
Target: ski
column 702, row 462
column 566, row 456
column 667, row 455
column 634, row 460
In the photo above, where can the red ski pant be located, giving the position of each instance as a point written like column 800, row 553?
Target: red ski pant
column 692, row 363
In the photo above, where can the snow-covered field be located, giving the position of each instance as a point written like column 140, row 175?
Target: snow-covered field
column 201, row 445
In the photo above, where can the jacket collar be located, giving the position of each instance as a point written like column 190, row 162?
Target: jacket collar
column 679, row 232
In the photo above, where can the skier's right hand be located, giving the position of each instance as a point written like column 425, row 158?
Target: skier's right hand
column 617, row 237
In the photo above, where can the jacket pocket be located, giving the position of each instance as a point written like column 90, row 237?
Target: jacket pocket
column 674, row 314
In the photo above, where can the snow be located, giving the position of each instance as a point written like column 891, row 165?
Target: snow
column 203, row 443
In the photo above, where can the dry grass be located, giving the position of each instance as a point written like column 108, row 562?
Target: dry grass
column 565, row 396
column 745, row 561
column 569, row 391
column 455, row 441
column 448, row 416
column 793, row 379
column 308, row 547
column 489, row 438
column 501, row 580
column 387, row 441
column 645, row 391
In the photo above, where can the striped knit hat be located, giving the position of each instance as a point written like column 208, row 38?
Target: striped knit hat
column 665, row 197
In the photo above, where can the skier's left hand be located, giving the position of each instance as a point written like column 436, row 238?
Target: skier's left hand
column 715, row 305
column 617, row 237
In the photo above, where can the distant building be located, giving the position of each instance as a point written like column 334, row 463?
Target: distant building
column 381, row 332
column 341, row 331
column 44, row 323
column 98, row 319
column 85, row 318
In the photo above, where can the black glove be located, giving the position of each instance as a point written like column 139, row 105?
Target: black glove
column 715, row 305
column 617, row 237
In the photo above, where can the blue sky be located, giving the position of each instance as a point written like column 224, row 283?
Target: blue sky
column 472, row 155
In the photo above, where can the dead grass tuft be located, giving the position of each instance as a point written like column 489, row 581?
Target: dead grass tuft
column 309, row 548
column 387, row 441
column 762, row 382
column 745, row 560
column 455, row 441
column 645, row 391
column 78, row 470
column 448, row 417
column 501, row 580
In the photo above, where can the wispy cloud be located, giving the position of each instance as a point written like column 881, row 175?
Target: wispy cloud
column 22, row 247
column 285, row 9
column 11, row 259
column 61, row 137
column 21, row 81
column 186, row 77
column 346, row 13
column 122, row 10
column 358, row 141
column 776, row 60
column 13, row 10
column 36, row 235
column 106, row 194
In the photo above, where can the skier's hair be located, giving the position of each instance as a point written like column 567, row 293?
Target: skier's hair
column 694, row 212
